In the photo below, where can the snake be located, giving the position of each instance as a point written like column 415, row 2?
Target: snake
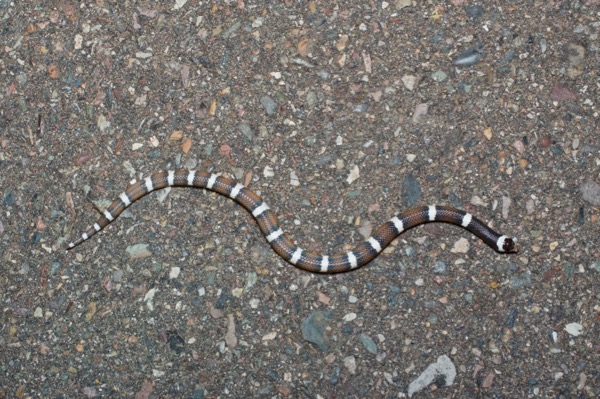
column 267, row 222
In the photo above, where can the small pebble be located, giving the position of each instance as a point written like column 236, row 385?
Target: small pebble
column 545, row 142
column 409, row 81
column 469, row 57
column 313, row 329
column 439, row 76
column 511, row 319
column 349, row 317
column 443, row 370
column 590, row 192
column 138, row 251
column 232, row 29
column 575, row 329
column 419, row 112
column 9, row 198
column 175, row 341
column 353, row 175
column 461, row 246
column 174, row 273
column 246, row 130
column 368, row 343
column 361, row 108
column 103, row 123
column 400, row 4
column 440, row 267
column 268, row 171
column 350, row 364
column 269, row 105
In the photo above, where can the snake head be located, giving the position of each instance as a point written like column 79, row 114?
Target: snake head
column 509, row 246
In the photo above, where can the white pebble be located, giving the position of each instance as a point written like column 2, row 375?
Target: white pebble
column 350, row 363
column 268, row 171
column 461, row 246
column 78, row 41
column 354, row 174
column 476, row 200
column 350, row 317
column 174, row 273
column 409, row 81
column 270, row 336
column 574, row 329
column 294, row 181
column 103, row 123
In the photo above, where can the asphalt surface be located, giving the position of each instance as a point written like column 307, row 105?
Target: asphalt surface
column 340, row 115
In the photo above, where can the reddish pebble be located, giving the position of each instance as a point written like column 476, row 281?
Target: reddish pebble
column 545, row 142
column 82, row 158
column 225, row 150
column 560, row 93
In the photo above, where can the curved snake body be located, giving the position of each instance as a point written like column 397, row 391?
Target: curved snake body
column 287, row 249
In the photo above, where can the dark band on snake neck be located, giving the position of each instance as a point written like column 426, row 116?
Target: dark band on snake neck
column 286, row 248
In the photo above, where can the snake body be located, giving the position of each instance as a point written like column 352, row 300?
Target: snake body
column 286, row 248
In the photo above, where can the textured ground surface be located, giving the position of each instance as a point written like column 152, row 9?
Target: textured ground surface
column 340, row 114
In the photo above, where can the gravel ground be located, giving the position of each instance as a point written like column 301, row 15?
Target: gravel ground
column 340, row 114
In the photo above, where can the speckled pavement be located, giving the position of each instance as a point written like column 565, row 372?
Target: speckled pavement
column 340, row 115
